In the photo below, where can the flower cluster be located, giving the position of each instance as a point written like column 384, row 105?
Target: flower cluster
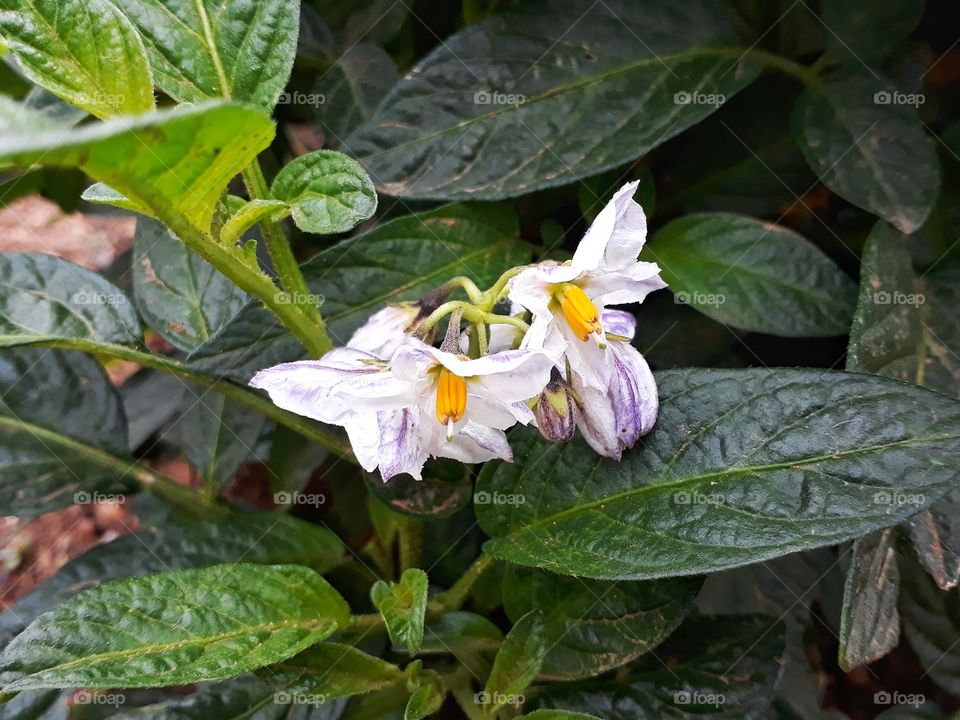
column 402, row 400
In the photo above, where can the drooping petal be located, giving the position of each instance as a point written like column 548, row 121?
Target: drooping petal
column 472, row 444
column 382, row 334
column 628, row 285
column 587, row 358
column 597, row 421
column 619, row 322
column 400, row 443
column 488, row 409
column 616, row 236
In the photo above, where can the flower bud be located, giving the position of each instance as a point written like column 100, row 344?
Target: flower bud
column 556, row 410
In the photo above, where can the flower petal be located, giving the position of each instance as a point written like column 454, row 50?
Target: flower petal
column 587, row 359
column 532, row 289
column 400, row 443
column 619, row 322
column 628, row 285
column 473, row 444
column 382, row 334
column 616, row 236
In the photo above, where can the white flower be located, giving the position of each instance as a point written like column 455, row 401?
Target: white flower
column 568, row 300
column 613, row 419
column 386, row 329
column 423, row 403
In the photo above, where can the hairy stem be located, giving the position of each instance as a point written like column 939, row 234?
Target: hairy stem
column 454, row 598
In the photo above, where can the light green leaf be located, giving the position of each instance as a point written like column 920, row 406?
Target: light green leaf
column 712, row 668
column 175, row 163
column 330, row 670
column 85, row 51
column 179, row 294
column 479, row 241
column 102, row 194
column 212, row 49
column 328, row 192
column 517, row 663
column 58, row 448
column 770, row 461
column 175, row 628
column 43, row 297
column 865, row 142
column 592, row 626
column 403, row 606
column 248, row 215
column 753, row 275
column 427, row 696
column 623, row 78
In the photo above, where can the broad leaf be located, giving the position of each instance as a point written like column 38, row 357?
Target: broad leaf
column 17, row 117
column 85, row 51
column 753, row 275
column 331, row 670
column 358, row 276
column 741, row 466
column 328, row 193
column 712, row 668
column 102, row 194
column 179, row 294
column 593, row 626
column 931, row 623
column 863, row 34
column 211, row 49
column 352, row 88
column 427, row 696
column 175, row 628
column 446, row 488
column 264, row 538
column 454, row 632
column 868, row 146
column 623, row 78
column 45, row 298
column 403, row 606
column 870, row 623
column 61, row 430
column 176, row 163
column 517, row 663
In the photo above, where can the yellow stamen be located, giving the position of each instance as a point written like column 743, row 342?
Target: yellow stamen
column 579, row 311
column 451, row 399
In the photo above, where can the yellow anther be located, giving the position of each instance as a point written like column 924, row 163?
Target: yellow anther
column 579, row 311
column 451, row 398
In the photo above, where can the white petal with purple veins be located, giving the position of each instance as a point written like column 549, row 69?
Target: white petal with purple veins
column 616, row 236
column 619, row 322
column 382, row 334
column 630, row 285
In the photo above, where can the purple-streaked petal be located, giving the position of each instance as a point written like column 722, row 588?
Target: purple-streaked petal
column 473, row 444
column 629, row 285
column 597, row 421
column 413, row 359
column 400, row 443
column 491, row 410
column 382, row 334
column 619, row 322
column 616, row 236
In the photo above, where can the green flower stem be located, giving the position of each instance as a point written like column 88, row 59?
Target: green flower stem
column 309, row 429
column 492, row 296
column 370, row 621
column 471, row 313
column 410, row 537
column 454, row 598
column 468, row 286
column 288, row 270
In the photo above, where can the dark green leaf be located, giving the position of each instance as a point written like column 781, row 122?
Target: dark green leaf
column 211, row 49
column 61, row 428
column 175, row 628
column 559, row 715
column 43, row 297
column 623, row 78
column 328, row 192
column 741, row 466
column 446, row 487
column 179, row 294
column 329, row 670
column 712, row 668
column 85, row 51
column 593, row 626
column 358, row 276
column 931, row 623
column 517, row 663
column 861, row 33
column 753, row 275
column 863, row 139
column 457, row 631
column 403, row 606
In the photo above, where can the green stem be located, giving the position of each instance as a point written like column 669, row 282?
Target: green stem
column 808, row 76
column 304, row 426
column 471, row 313
column 454, row 598
column 468, row 286
column 410, row 538
column 492, row 296
column 369, row 621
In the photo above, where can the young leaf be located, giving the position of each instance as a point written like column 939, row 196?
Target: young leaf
column 45, row 298
column 427, row 696
column 352, row 88
column 592, row 626
column 175, row 628
column 354, row 281
column 57, row 448
column 403, row 606
column 623, row 79
column 178, row 293
column 753, row 275
column 176, row 163
column 85, row 51
column 263, row 538
column 869, row 149
column 870, row 623
column 517, row 663
column 248, row 215
column 331, row 670
column 794, row 459
column 214, row 49
column 711, row 668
